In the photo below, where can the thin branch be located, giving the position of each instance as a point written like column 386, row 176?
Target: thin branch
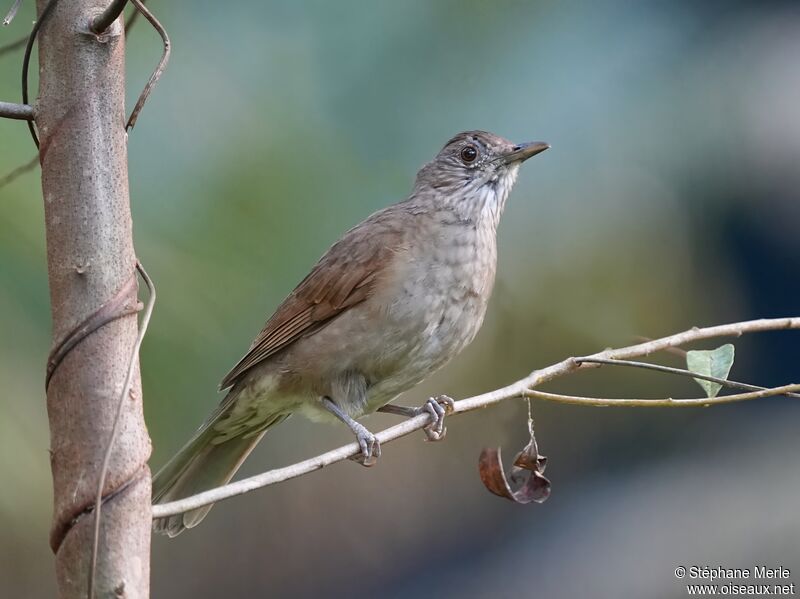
column 521, row 388
column 148, row 311
column 105, row 19
column 19, row 171
column 670, row 350
column 131, row 20
column 661, row 403
column 12, row 13
column 19, row 112
column 680, row 371
column 15, row 45
column 162, row 64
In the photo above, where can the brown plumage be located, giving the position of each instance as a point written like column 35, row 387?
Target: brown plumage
column 392, row 301
column 341, row 279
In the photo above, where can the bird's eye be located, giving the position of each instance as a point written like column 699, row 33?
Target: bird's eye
column 469, row 153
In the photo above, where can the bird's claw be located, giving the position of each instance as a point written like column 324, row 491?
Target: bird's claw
column 370, row 447
column 438, row 407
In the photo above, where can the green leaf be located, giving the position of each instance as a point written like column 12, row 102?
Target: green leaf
column 713, row 362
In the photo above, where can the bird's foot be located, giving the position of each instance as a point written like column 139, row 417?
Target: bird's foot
column 438, row 407
column 370, row 446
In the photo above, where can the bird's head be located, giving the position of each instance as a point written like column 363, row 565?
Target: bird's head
column 474, row 173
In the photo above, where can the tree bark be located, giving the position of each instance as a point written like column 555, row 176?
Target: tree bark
column 80, row 115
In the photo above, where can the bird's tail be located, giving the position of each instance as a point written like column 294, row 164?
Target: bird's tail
column 202, row 464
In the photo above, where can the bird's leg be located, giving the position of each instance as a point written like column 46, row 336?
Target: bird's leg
column 370, row 447
column 438, row 407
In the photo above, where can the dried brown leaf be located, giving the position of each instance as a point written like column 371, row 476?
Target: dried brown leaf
column 527, row 474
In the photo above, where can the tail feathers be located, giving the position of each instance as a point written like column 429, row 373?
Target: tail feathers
column 199, row 466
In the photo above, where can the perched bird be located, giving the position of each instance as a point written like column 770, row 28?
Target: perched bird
column 392, row 301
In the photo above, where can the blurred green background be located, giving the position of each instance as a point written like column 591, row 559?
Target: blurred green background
column 669, row 199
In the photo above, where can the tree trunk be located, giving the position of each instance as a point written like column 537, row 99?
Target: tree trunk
column 80, row 115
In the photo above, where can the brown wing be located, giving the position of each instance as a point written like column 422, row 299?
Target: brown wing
column 343, row 277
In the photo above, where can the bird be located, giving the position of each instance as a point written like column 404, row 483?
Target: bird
column 392, row 301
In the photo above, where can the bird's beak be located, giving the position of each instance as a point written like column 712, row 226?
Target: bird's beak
column 521, row 152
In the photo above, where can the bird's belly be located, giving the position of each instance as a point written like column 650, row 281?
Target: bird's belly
column 427, row 325
column 401, row 334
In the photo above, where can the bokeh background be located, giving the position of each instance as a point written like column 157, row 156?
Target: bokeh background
column 669, row 199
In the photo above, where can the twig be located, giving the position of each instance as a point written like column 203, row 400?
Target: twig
column 148, row 311
column 680, row 371
column 521, row 388
column 15, row 45
column 19, row 171
column 670, row 350
column 104, row 20
column 12, row 13
column 162, row 64
column 20, row 112
column 660, row 403
column 131, row 20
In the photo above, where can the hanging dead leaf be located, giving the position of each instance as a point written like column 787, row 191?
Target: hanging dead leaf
column 527, row 474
